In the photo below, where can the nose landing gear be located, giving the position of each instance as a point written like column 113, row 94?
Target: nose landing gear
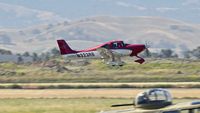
column 140, row 60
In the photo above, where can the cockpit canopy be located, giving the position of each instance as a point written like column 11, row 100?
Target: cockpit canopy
column 114, row 45
column 153, row 96
column 118, row 44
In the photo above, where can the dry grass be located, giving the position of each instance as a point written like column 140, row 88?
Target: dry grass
column 92, row 105
column 151, row 71
column 73, row 100
column 99, row 85
column 56, row 105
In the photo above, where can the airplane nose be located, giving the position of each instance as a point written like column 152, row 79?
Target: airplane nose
column 136, row 49
column 140, row 47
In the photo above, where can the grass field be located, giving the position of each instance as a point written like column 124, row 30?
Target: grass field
column 75, row 100
column 33, row 88
column 57, row 105
column 151, row 71
column 92, row 105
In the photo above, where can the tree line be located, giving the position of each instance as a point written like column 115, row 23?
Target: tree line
column 169, row 53
column 36, row 57
column 54, row 52
column 45, row 56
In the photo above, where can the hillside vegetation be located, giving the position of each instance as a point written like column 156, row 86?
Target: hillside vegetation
column 87, row 32
column 95, row 71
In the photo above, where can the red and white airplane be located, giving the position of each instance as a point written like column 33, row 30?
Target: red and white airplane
column 111, row 52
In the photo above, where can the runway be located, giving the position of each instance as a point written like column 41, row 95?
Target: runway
column 91, row 93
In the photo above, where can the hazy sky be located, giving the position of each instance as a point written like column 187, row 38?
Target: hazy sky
column 53, row 10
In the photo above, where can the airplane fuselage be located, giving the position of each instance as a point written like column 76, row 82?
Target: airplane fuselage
column 110, row 51
column 96, row 55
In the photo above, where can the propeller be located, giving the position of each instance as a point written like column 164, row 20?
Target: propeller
column 147, row 52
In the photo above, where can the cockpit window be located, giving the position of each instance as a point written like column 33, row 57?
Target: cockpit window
column 158, row 95
column 116, row 45
column 106, row 46
column 142, row 98
column 153, row 95
column 122, row 43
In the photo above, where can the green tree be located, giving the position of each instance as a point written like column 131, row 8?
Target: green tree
column 26, row 54
column 35, row 57
column 196, row 52
column 45, row 56
column 20, row 59
column 55, row 52
column 5, row 52
column 166, row 53
column 187, row 54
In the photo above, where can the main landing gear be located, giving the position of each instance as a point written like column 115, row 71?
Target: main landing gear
column 120, row 64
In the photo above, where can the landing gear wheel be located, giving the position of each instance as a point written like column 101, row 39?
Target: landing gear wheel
column 120, row 64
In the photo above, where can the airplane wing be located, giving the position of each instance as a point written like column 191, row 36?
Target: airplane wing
column 187, row 106
column 132, row 111
column 108, row 54
column 110, row 57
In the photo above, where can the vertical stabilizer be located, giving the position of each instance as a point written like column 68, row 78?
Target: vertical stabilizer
column 64, row 47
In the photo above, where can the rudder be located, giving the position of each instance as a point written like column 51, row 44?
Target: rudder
column 64, row 47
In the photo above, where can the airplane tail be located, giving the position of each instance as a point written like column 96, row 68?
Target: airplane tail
column 64, row 47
